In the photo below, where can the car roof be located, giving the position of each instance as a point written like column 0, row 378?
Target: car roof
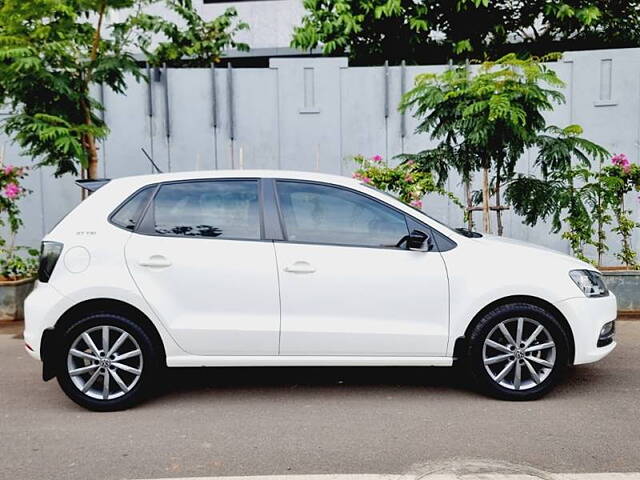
column 141, row 180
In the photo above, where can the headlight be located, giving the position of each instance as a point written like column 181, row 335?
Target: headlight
column 589, row 282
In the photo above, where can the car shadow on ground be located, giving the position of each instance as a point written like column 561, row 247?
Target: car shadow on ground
column 193, row 379
column 454, row 381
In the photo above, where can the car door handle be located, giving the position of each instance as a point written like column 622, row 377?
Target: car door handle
column 155, row 261
column 300, row 267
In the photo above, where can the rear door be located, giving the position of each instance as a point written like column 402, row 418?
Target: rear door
column 200, row 261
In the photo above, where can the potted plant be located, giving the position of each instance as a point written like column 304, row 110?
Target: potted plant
column 18, row 264
column 617, row 181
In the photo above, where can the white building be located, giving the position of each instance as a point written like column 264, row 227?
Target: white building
column 271, row 23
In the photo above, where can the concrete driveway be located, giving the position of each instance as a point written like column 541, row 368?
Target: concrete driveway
column 260, row 421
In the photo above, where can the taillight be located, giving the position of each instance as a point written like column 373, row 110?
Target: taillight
column 49, row 254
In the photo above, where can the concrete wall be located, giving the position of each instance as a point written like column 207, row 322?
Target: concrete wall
column 313, row 114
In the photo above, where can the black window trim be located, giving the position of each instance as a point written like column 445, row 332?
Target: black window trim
column 272, row 226
column 144, row 225
column 405, row 215
column 434, row 233
column 141, row 210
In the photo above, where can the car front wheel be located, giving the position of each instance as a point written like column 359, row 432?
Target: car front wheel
column 107, row 362
column 518, row 352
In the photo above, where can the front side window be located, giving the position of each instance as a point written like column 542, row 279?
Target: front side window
column 315, row 213
column 215, row 209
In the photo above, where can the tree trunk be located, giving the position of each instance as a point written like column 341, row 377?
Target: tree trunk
column 89, row 141
column 486, row 219
column 92, row 169
column 467, row 195
column 626, row 244
column 601, row 234
column 90, row 146
column 498, row 205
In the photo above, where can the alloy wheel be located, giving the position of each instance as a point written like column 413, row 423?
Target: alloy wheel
column 519, row 353
column 105, row 362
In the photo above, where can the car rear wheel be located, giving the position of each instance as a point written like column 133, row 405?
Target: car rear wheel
column 518, row 352
column 107, row 362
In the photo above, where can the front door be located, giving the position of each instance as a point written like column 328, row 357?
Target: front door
column 202, row 266
column 346, row 288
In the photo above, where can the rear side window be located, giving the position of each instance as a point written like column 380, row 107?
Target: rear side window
column 128, row 214
column 215, row 209
column 315, row 213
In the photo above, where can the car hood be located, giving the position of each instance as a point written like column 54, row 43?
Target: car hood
column 524, row 252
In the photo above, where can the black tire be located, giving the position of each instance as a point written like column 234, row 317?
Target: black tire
column 486, row 326
column 150, row 365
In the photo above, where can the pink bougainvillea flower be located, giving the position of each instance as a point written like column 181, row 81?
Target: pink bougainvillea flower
column 416, row 203
column 377, row 158
column 409, row 162
column 8, row 169
column 621, row 160
column 357, row 175
column 408, row 178
column 366, row 179
column 11, row 191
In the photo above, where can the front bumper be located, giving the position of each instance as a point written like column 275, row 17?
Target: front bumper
column 42, row 309
column 586, row 317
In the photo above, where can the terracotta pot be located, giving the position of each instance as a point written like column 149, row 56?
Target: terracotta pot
column 619, row 268
column 12, row 295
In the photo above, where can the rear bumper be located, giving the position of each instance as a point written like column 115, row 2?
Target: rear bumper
column 586, row 317
column 42, row 309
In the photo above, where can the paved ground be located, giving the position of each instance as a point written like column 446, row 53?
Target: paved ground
column 219, row 422
column 440, row 476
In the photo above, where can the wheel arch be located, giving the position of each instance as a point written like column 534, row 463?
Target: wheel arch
column 461, row 342
column 96, row 305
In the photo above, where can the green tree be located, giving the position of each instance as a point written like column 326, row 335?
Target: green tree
column 564, row 192
column 53, row 51
column 371, row 31
column 193, row 42
column 485, row 118
column 584, row 200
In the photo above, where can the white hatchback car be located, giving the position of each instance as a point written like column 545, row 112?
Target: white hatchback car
column 273, row 268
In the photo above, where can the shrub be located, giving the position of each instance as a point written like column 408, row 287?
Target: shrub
column 406, row 181
column 16, row 262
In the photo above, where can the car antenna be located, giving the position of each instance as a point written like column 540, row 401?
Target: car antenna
column 151, row 160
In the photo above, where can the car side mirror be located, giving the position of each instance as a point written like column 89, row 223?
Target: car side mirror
column 419, row 241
